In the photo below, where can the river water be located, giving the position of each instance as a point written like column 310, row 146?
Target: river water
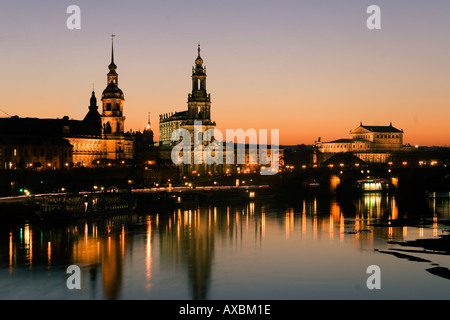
column 313, row 248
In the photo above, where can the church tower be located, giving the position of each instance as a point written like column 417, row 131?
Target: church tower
column 93, row 120
column 199, row 101
column 198, row 111
column 112, row 99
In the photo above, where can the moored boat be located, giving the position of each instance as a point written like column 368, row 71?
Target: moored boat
column 85, row 205
column 373, row 184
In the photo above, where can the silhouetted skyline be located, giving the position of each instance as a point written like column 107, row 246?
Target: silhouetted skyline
column 308, row 68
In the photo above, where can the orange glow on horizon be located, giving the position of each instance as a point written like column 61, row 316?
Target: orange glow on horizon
column 323, row 76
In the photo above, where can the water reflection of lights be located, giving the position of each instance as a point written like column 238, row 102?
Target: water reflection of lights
column 189, row 218
column 122, row 241
column 315, row 226
column 289, row 221
column 315, row 205
column 28, row 243
column 27, row 234
column 394, row 209
column 148, row 256
column 435, row 226
column 307, row 220
column 331, row 224
column 246, row 222
column 10, row 251
column 228, row 220
column 209, row 218
column 372, row 204
column 252, row 208
column 304, row 218
column 335, row 211
column 49, row 252
column 287, row 225
column 86, row 231
column 263, row 224
column 315, row 218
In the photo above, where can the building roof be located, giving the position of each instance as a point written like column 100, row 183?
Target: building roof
column 22, row 140
column 112, row 91
column 346, row 158
column 342, row 141
column 182, row 115
column 389, row 128
column 48, row 127
column 93, row 121
column 348, row 141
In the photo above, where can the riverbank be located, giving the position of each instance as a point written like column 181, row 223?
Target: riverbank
column 158, row 199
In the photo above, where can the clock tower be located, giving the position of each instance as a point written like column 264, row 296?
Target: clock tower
column 199, row 101
column 112, row 99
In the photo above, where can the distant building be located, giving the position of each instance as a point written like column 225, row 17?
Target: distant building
column 98, row 138
column 199, row 108
column 117, row 145
column 145, row 151
column 372, row 144
column 34, row 152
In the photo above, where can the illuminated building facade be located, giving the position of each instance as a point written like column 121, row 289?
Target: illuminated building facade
column 372, row 144
column 199, row 113
column 199, row 108
column 97, row 138
column 117, row 145
column 34, row 152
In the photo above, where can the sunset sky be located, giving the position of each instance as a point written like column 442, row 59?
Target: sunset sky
column 308, row 68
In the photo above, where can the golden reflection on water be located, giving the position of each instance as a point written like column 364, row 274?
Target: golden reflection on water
column 11, row 254
column 49, row 253
column 289, row 221
column 188, row 238
column 341, row 228
column 304, row 217
column 148, row 256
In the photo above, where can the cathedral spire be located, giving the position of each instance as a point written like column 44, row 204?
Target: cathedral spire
column 93, row 106
column 149, row 124
column 112, row 75
column 112, row 99
column 198, row 80
column 199, row 100
column 112, row 48
column 112, row 66
column 92, row 119
column 199, row 60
